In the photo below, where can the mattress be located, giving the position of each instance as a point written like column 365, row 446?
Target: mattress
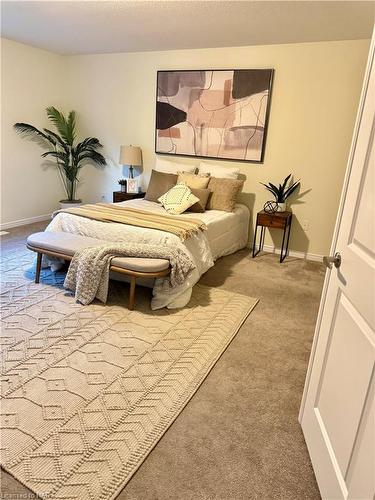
column 226, row 232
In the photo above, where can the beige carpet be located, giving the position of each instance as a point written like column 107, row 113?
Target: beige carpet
column 88, row 391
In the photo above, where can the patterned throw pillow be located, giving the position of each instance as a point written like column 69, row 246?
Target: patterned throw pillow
column 178, row 199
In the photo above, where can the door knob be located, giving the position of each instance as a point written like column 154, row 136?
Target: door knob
column 329, row 260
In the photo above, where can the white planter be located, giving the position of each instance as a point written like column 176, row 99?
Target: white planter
column 281, row 207
column 69, row 204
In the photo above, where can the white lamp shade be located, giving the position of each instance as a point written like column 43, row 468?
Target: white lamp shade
column 130, row 155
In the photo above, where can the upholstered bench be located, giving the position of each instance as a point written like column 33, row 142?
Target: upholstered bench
column 64, row 245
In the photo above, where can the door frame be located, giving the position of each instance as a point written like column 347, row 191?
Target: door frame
column 370, row 62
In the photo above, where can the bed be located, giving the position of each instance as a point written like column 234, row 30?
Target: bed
column 226, row 233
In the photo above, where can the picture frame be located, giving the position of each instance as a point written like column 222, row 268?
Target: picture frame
column 132, row 186
column 214, row 114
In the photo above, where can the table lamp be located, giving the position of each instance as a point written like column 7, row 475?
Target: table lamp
column 132, row 156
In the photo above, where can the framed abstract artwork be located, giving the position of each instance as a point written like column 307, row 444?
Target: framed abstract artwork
column 219, row 114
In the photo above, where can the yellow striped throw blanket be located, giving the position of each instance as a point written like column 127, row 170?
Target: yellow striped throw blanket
column 107, row 212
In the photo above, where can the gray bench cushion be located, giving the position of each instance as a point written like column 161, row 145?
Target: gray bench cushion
column 68, row 244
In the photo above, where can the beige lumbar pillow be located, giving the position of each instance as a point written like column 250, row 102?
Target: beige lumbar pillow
column 224, row 194
column 178, row 199
column 193, row 181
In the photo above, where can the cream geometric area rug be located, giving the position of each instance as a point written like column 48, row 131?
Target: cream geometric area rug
column 87, row 391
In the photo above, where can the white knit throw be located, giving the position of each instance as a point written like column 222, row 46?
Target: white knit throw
column 88, row 273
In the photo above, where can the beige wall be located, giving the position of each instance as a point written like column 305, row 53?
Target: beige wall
column 315, row 97
column 31, row 80
column 314, row 102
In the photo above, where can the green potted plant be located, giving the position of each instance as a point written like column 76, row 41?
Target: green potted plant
column 69, row 156
column 282, row 192
column 122, row 183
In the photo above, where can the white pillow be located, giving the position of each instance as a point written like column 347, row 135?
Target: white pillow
column 219, row 171
column 172, row 166
column 178, row 199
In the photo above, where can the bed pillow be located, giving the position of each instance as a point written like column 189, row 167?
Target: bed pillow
column 194, row 180
column 172, row 166
column 159, row 184
column 224, row 194
column 178, row 199
column 219, row 171
column 203, row 195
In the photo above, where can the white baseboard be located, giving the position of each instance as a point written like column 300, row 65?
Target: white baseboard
column 23, row 222
column 293, row 253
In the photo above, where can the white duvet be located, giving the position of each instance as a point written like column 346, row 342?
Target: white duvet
column 226, row 233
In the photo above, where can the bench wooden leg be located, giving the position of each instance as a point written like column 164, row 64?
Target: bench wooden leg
column 132, row 292
column 38, row 266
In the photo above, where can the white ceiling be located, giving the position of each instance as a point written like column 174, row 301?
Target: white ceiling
column 87, row 27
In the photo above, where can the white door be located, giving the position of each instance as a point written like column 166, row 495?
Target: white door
column 337, row 411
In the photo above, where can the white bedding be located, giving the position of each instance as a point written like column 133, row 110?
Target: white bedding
column 226, row 233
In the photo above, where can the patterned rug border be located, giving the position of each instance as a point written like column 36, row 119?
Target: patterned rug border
column 116, row 485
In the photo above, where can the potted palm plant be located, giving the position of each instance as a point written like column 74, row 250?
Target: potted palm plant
column 282, row 192
column 69, row 157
